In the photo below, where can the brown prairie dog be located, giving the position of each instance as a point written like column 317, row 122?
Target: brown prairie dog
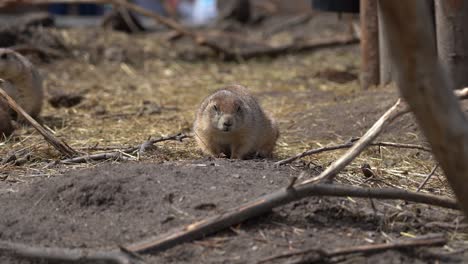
column 231, row 122
column 22, row 82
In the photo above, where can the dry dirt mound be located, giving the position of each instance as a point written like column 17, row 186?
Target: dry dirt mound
column 120, row 204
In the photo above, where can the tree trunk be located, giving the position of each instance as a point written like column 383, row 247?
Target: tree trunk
column 385, row 69
column 452, row 39
column 427, row 90
column 369, row 44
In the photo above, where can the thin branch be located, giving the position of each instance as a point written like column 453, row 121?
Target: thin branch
column 348, row 145
column 120, row 154
column 401, row 145
column 58, row 144
column 322, row 255
column 267, row 202
column 427, row 178
column 63, row 255
column 329, row 174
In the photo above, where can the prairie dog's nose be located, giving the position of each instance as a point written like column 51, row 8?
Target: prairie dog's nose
column 227, row 123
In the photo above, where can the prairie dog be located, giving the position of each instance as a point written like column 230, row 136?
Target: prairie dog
column 231, row 122
column 22, row 82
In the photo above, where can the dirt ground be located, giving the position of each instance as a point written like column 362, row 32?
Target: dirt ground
column 136, row 86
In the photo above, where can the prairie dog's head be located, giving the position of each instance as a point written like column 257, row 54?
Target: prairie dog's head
column 10, row 64
column 225, row 111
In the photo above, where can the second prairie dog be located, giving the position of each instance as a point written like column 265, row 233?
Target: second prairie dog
column 231, row 122
column 22, row 82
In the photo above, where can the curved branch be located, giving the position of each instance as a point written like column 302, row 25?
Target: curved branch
column 64, row 255
column 346, row 145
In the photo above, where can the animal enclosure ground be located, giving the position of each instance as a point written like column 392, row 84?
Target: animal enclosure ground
column 136, row 86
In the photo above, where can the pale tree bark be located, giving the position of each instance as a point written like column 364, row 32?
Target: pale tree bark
column 385, row 69
column 452, row 39
column 369, row 44
column 427, row 90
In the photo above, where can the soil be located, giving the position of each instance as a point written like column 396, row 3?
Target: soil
column 119, row 204
column 113, row 90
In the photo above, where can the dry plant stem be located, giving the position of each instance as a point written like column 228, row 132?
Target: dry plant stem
column 427, row 178
column 267, row 202
column 329, row 174
column 427, row 90
column 63, row 255
column 59, row 145
column 117, row 155
column 364, row 249
column 95, row 157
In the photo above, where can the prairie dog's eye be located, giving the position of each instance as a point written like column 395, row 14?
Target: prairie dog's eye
column 215, row 108
column 239, row 109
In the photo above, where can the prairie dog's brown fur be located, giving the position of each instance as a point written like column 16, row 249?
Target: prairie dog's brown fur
column 231, row 122
column 21, row 82
column 5, row 123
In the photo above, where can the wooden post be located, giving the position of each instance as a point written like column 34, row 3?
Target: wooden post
column 452, row 39
column 369, row 44
column 427, row 90
column 384, row 56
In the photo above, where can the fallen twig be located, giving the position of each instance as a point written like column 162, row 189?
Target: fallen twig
column 314, row 151
column 58, row 144
column 321, row 255
column 267, row 202
column 63, row 255
column 120, row 154
column 427, row 177
column 309, row 45
column 349, row 144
